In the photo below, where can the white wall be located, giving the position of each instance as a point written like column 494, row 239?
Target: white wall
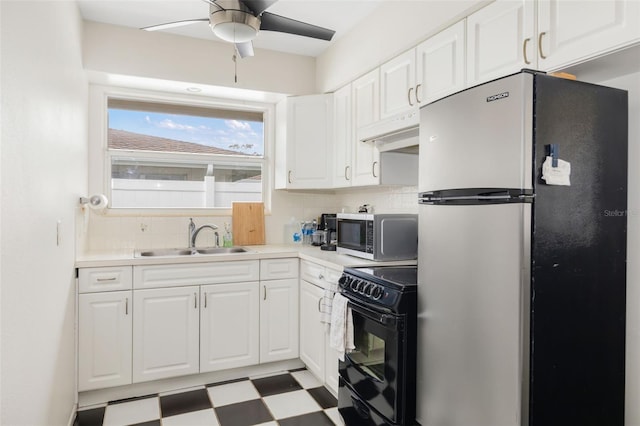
column 44, row 171
column 392, row 28
column 131, row 52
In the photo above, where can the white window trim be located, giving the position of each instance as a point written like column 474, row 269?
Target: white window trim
column 100, row 158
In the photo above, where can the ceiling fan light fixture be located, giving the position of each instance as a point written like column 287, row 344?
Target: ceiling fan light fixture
column 234, row 26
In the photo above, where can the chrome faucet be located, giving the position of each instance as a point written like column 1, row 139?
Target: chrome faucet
column 193, row 233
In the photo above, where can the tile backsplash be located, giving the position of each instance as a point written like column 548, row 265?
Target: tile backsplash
column 111, row 232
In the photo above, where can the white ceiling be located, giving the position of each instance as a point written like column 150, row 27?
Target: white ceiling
column 338, row 15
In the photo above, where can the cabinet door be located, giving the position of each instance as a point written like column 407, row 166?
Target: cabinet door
column 331, row 355
column 343, row 137
column 574, row 31
column 309, row 136
column 104, row 340
column 500, row 40
column 229, row 329
column 331, row 373
column 397, row 85
column 441, row 64
column 165, row 333
column 279, row 320
column 366, row 110
column 312, row 333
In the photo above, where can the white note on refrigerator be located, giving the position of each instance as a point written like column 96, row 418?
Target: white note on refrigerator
column 558, row 175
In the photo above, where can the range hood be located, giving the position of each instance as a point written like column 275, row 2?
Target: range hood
column 397, row 133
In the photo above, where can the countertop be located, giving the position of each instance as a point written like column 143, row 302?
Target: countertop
column 328, row 259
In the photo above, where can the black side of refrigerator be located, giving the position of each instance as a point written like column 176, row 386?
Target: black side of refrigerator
column 578, row 257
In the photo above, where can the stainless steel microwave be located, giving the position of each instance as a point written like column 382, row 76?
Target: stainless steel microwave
column 381, row 237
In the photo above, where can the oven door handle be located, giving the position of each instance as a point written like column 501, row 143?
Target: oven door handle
column 382, row 318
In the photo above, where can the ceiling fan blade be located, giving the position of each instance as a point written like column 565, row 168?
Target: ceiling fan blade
column 174, row 24
column 258, row 6
column 245, row 49
column 271, row 22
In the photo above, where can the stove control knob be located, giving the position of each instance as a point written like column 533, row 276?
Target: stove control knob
column 376, row 292
column 343, row 281
column 367, row 289
column 354, row 285
column 346, row 283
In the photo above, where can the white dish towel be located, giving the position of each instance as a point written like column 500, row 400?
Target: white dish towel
column 326, row 306
column 341, row 332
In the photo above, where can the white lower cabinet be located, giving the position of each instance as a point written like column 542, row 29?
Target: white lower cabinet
column 279, row 320
column 312, row 331
column 175, row 320
column 315, row 352
column 165, row 333
column 229, row 318
column 104, row 339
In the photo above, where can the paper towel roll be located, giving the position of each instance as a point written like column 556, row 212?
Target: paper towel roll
column 98, row 202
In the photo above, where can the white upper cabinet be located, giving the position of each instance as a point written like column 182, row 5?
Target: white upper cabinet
column 500, row 40
column 570, row 32
column 398, row 85
column 503, row 37
column 441, row 64
column 366, row 110
column 304, row 134
column 343, row 138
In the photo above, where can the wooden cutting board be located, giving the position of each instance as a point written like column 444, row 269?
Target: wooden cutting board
column 247, row 224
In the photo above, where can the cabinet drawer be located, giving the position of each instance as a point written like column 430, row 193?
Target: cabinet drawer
column 276, row 269
column 312, row 273
column 157, row 276
column 332, row 275
column 92, row 280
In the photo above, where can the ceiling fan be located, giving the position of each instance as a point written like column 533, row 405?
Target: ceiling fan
column 238, row 21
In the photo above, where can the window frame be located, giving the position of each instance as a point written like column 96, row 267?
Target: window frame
column 100, row 155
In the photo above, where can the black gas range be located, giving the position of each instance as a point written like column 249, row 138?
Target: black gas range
column 377, row 379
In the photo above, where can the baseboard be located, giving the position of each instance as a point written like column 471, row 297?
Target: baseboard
column 102, row 396
column 72, row 417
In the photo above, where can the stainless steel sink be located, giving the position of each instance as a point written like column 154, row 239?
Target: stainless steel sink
column 189, row 251
column 221, row 250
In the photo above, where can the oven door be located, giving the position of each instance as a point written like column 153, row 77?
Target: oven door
column 373, row 368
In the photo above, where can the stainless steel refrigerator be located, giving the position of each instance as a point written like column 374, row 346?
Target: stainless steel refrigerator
column 521, row 282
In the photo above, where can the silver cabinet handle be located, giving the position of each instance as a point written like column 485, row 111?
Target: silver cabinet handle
column 524, row 50
column 195, row 300
column 126, row 306
column 373, row 168
column 540, row 44
column 289, row 176
column 409, row 96
column 418, row 88
column 346, row 172
column 319, row 303
column 106, row 279
column 265, row 292
column 205, row 300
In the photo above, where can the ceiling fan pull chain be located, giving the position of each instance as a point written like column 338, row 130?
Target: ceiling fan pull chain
column 235, row 68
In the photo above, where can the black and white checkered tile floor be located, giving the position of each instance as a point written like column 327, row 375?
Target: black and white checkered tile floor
column 294, row 398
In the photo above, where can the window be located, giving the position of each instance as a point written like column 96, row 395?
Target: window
column 163, row 155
